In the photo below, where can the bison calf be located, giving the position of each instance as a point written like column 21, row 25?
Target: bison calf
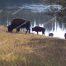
column 38, row 29
column 51, row 34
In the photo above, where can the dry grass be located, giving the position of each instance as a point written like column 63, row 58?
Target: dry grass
column 19, row 49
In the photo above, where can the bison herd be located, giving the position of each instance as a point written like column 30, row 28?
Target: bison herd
column 22, row 23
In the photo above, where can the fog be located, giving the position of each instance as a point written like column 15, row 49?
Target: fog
column 38, row 8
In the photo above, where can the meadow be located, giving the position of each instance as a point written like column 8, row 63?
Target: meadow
column 20, row 49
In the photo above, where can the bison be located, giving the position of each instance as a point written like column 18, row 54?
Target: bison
column 51, row 34
column 38, row 29
column 19, row 23
column 65, row 35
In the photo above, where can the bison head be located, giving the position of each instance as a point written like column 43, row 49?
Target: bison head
column 10, row 28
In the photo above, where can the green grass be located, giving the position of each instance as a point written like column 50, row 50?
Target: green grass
column 19, row 49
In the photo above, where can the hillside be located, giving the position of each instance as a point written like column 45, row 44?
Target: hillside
column 20, row 49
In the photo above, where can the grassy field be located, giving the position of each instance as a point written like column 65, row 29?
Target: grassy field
column 20, row 49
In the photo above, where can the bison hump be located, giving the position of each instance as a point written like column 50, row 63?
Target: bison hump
column 17, row 21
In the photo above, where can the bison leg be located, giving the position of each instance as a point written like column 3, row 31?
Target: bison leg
column 43, row 32
column 37, row 32
column 18, row 29
column 28, row 30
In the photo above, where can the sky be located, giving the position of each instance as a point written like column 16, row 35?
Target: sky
column 4, row 3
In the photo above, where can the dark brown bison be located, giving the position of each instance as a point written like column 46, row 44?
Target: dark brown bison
column 19, row 23
column 38, row 29
column 65, row 35
column 51, row 34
